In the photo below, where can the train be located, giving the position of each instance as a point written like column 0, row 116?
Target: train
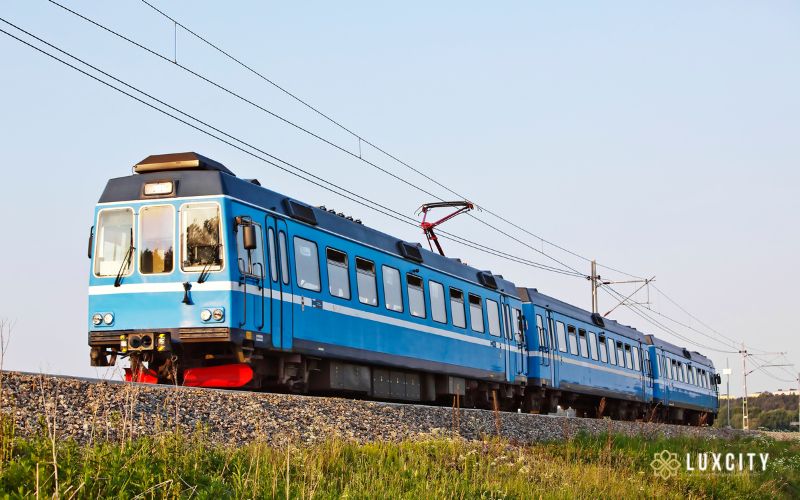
column 202, row 278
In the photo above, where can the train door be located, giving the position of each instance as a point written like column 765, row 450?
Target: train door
column 514, row 356
column 647, row 365
column 555, row 357
column 252, row 278
column 516, row 320
column 281, row 303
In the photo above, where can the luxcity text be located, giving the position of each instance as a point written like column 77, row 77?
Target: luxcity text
column 726, row 462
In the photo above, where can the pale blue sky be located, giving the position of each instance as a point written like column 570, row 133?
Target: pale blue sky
column 660, row 138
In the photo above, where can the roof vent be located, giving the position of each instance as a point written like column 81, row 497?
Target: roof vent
column 687, row 354
column 598, row 320
column 300, row 212
column 179, row 161
column 409, row 251
column 487, row 279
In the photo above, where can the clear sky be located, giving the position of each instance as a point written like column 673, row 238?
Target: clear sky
column 659, row 137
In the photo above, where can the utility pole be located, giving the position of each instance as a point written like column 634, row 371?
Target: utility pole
column 594, row 278
column 597, row 282
column 727, row 372
column 745, row 416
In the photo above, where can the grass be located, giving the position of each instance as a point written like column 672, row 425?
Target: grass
column 177, row 465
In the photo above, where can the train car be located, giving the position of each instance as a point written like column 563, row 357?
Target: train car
column 583, row 361
column 203, row 278
column 685, row 388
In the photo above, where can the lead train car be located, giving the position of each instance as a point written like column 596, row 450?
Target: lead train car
column 202, row 278
column 600, row 367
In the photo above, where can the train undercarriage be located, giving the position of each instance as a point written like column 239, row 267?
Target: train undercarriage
column 225, row 364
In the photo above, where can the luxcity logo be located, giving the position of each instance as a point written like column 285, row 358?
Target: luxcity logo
column 665, row 464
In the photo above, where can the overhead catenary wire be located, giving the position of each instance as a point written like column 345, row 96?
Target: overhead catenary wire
column 314, row 179
column 306, row 130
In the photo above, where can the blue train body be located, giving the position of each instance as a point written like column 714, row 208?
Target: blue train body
column 202, row 278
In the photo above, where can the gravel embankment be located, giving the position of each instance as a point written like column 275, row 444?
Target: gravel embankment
column 92, row 410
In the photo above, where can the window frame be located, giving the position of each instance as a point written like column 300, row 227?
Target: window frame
column 283, row 254
column 360, row 272
column 628, row 356
column 561, row 333
column 421, row 289
column 637, row 358
column 296, row 274
column 612, row 351
column 139, row 249
column 272, row 255
column 489, row 319
column 384, row 267
column 443, row 303
column 540, row 330
column 482, row 315
column 346, row 268
column 97, row 241
column 583, row 343
column 603, row 348
column 221, row 249
column 572, row 340
column 591, row 339
column 463, row 306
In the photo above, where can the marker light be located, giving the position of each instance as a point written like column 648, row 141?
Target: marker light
column 218, row 314
column 158, row 188
column 97, row 318
column 108, row 318
column 123, row 343
column 205, row 315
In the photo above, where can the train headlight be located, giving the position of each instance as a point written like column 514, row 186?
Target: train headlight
column 158, row 188
column 97, row 318
column 108, row 318
column 218, row 314
column 205, row 315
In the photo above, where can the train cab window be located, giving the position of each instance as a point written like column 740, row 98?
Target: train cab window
column 273, row 259
column 628, row 360
column 540, row 329
column 603, row 351
column 392, row 293
column 457, row 308
column 493, row 316
column 612, row 352
column 583, row 343
column 620, row 355
column 635, row 355
column 251, row 262
column 201, row 248
column 416, row 296
column 284, row 257
column 306, row 264
column 114, row 245
column 366, row 283
column 593, row 345
column 573, row 340
column 338, row 273
column 562, row 336
column 156, row 239
column 438, row 311
column 475, row 313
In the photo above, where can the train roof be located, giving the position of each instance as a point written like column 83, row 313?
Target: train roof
column 196, row 175
column 538, row 298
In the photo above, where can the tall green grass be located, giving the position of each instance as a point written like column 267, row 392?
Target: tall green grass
column 178, row 465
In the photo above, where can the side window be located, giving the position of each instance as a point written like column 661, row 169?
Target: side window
column 457, row 308
column 438, row 311
column 284, row 254
column 156, row 239
column 114, row 245
column 583, row 343
column 620, row 355
column 365, row 281
column 635, row 354
column 593, row 345
column 628, row 360
column 562, row 336
column 251, row 262
column 338, row 273
column 612, row 351
column 540, row 328
column 573, row 340
column 475, row 313
column 306, row 264
column 691, row 375
column 603, row 351
column 273, row 259
column 201, row 247
column 551, row 333
column 416, row 296
column 673, row 373
column 391, row 289
column 493, row 315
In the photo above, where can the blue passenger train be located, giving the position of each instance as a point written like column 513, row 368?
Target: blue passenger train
column 202, row 278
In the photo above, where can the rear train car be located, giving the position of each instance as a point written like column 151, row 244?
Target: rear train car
column 202, row 278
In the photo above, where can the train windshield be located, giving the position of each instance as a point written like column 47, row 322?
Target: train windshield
column 200, row 242
column 114, row 232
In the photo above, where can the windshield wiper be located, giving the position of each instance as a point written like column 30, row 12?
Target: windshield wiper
column 125, row 262
column 204, row 273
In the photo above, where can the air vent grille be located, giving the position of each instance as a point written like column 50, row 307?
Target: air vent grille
column 409, row 251
column 300, row 212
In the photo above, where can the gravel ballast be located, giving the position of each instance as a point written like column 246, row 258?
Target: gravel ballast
column 89, row 410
